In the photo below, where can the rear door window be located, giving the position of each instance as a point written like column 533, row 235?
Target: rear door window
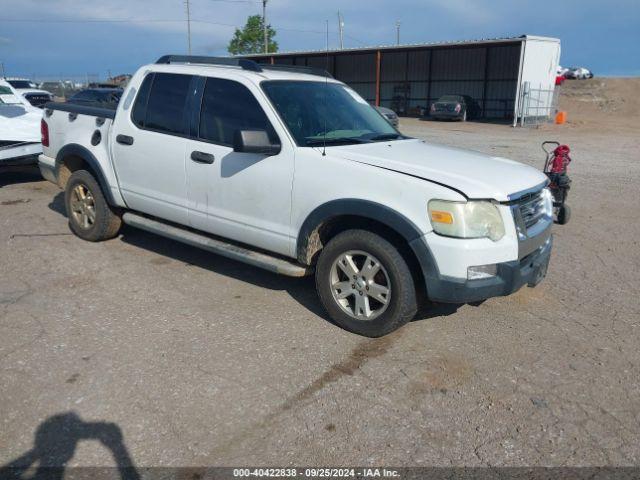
column 166, row 105
column 140, row 107
column 228, row 106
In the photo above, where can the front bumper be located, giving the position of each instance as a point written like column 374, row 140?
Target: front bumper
column 511, row 276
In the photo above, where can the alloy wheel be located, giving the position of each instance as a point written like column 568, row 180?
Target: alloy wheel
column 360, row 285
column 83, row 207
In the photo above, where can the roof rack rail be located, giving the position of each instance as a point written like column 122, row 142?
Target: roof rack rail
column 243, row 63
column 297, row 68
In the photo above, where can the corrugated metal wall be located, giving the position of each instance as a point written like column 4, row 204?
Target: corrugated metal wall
column 412, row 79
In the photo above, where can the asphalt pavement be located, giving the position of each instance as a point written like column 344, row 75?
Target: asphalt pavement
column 142, row 351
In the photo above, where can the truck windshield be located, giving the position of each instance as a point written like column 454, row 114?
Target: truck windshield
column 315, row 112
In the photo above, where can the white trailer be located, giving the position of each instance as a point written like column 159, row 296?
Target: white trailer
column 539, row 60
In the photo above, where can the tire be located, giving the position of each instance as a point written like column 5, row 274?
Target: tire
column 365, row 290
column 564, row 214
column 90, row 217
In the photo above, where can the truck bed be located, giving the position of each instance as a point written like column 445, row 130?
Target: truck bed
column 80, row 109
column 83, row 131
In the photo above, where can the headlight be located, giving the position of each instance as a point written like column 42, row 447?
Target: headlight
column 474, row 219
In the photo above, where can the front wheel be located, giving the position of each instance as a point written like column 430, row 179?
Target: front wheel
column 90, row 216
column 365, row 284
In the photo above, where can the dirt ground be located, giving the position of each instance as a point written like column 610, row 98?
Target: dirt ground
column 183, row 358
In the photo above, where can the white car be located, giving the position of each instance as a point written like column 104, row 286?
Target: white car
column 19, row 128
column 30, row 91
column 296, row 173
column 579, row 73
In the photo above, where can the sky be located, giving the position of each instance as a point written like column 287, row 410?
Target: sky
column 65, row 38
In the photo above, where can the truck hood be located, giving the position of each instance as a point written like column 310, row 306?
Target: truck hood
column 474, row 174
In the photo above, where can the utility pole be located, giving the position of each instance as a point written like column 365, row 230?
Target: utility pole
column 341, row 30
column 188, row 26
column 264, row 26
column 397, row 32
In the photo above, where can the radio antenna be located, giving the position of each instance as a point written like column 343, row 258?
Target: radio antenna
column 326, row 86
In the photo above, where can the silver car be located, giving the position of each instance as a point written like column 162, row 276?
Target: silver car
column 390, row 115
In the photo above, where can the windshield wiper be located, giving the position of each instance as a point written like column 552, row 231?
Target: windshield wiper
column 335, row 141
column 387, row 136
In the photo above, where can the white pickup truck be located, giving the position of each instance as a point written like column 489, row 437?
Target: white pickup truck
column 287, row 169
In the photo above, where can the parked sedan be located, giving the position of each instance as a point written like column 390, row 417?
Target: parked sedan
column 97, row 97
column 454, row 107
column 579, row 73
column 390, row 115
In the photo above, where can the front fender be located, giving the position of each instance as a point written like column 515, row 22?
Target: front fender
column 356, row 207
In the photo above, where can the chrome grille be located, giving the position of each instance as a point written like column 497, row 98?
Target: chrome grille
column 533, row 224
column 531, row 208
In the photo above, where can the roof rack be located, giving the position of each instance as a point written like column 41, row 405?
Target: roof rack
column 243, row 63
column 297, row 68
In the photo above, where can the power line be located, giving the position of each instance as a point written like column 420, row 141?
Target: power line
column 356, row 39
column 237, row 1
column 131, row 20
column 87, row 20
column 110, row 20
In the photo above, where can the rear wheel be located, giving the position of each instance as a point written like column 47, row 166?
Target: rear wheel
column 364, row 284
column 90, row 216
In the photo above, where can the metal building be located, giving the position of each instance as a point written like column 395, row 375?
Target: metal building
column 496, row 73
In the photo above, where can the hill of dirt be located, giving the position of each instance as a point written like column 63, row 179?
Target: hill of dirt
column 600, row 101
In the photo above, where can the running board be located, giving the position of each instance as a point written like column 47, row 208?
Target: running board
column 229, row 250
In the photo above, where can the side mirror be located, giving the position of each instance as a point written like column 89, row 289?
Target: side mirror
column 254, row 141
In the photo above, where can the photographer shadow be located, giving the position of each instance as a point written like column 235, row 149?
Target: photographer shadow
column 55, row 443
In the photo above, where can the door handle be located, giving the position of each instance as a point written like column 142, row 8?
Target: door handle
column 202, row 157
column 124, row 140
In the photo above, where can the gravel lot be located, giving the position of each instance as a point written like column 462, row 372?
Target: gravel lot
column 197, row 360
